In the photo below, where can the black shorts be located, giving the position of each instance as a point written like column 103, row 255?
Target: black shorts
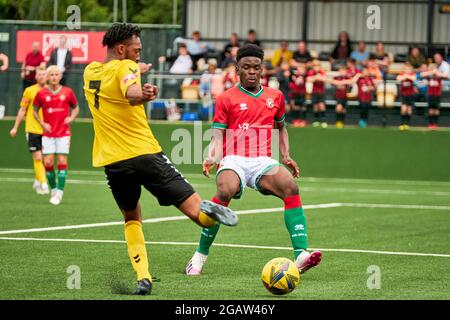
column 342, row 102
column 153, row 171
column 34, row 142
column 408, row 100
column 317, row 98
column 365, row 105
column 434, row 102
column 299, row 100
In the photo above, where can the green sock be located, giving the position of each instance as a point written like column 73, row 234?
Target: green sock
column 51, row 177
column 62, row 175
column 295, row 220
column 207, row 238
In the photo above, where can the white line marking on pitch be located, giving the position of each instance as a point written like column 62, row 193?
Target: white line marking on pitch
column 163, row 219
column 239, row 212
column 244, row 246
column 305, row 179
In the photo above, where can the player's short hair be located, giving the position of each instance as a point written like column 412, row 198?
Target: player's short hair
column 53, row 68
column 119, row 32
column 250, row 50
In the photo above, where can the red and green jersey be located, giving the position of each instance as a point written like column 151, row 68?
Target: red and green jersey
column 248, row 119
column 55, row 109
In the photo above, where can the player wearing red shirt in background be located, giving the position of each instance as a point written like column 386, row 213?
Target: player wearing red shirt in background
column 434, row 94
column 318, row 77
column 244, row 118
column 341, row 96
column 59, row 108
column 407, row 92
column 297, row 92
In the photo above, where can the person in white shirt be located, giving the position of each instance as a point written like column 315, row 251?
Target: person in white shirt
column 443, row 68
column 61, row 57
column 182, row 63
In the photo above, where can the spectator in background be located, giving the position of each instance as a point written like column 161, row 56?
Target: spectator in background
column 282, row 54
column 182, row 62
column 196, row 48
column 302, row 55
column 231, row 59
column 61, row 57
column 381, row 57
column 342, row 49
column 234, row 42
column 361, row 56
column 251, row 38
column 443, row 67
column 415, row 58
column 33, row 60
column 284, row 78
column 4, row 62
column 230, row 78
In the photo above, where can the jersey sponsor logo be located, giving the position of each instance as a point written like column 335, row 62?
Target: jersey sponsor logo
column 129, row 77
column 52, row 110
column 133, row 70
column 243, row 106
column 270, row 104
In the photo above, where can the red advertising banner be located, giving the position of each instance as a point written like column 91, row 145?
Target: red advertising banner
column 86, row 46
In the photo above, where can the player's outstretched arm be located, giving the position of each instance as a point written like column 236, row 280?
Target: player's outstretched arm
column 137, row 95
column 214, row 151
column 19, row 118
column 284, row 150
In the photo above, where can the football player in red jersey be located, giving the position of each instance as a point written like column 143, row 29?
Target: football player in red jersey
column 59, row 108
column 407, row 79
column 297, row 92
column 318, row 77
column 341, row 96
column 244, row 119
column 434, row 80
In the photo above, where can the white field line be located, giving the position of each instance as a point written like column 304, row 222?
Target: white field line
column 156, row 220
column 230, row 246
column 306, row 179
column 302, row 189
column 239, row 212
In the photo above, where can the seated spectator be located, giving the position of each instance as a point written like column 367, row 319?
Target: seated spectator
column 302, row 55
column 282, row 54
column 231, row 59
column 251, row 38
column 182, row 62
column 284, row 78
column 234, row 42
column 342, row 49
column 443, row 67
column 4, row 62
column 415, row 58
column 211, row 82
column 361, row 56
column 196, row 48
column 381, row 57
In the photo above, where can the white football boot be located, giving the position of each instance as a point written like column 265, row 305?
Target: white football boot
column 195, row 265
column 36, row 185
column 43, row 189
column 57, row 197
column 307, row 260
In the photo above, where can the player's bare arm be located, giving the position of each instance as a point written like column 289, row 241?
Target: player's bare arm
column 74, row 111
column 284, row 151
column 137, row 95
column 214, row 151
column 47, row 127
column 20, row 116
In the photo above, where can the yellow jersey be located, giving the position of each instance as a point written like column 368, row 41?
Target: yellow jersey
column 31, row 124
column 121, row 130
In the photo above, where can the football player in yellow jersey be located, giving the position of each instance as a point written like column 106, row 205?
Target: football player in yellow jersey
column 33, row 131
column 125, row 146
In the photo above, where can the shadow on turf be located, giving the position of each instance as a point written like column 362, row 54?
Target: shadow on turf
column 120, row 285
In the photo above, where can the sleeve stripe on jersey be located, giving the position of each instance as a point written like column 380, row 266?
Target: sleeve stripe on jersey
column 217, row 125
column 281, row 119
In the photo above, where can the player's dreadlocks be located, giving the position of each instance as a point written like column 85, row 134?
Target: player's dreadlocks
column 119, row 32
column 250, row 50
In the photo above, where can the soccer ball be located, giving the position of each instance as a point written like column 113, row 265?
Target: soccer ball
column 280, row 276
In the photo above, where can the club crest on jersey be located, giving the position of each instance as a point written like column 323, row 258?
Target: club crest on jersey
column 62, row 97
column 129, row 77
column 243, row 106
column 48, row 98
column 269, row 103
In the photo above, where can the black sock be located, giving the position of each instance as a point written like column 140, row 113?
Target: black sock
column 303, row 114
column 403, row 117
column 364, row 114
column 316, row 116
column 322, row 115
column 408, row 119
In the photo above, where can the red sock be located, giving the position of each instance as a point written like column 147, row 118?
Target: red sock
column 50, row 169
column 62, row 167
column 217, row 201
column 292, row 202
